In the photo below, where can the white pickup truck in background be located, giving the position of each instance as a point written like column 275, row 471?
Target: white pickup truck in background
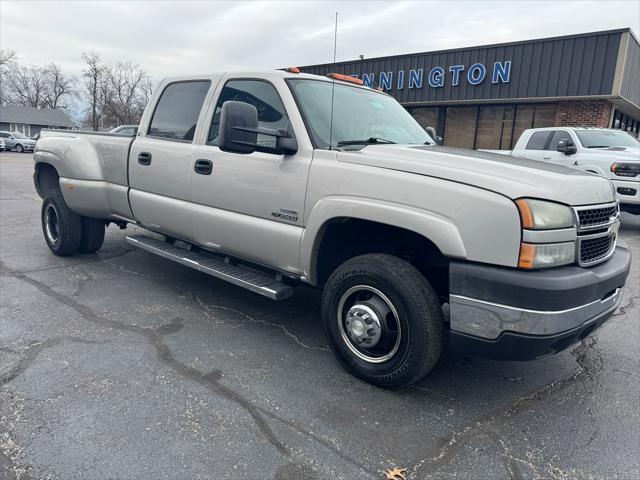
column 611, row 153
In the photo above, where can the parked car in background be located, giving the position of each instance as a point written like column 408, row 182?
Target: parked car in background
column 612, row 153
column 17, row 141
column 2, row 145
column 125, row 130
column 264, row 181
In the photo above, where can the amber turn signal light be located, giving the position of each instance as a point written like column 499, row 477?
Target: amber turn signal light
column 345, row 78
column 526, row 216
column 527, row 255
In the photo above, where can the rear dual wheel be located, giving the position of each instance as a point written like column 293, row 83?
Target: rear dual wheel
column 383, row 320
column 66, row 232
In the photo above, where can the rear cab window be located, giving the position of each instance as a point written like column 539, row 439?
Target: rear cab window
column 176, row 114
column 538, row 140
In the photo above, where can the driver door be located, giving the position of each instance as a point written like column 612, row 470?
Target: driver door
column 251, row 205
column 552, row 155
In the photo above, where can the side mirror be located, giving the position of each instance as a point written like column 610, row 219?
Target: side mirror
column 238, row 127
column 432, row 133
column 567, row 147
column 239, row 132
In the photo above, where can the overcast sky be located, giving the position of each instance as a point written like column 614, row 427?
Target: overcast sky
column 169, row 38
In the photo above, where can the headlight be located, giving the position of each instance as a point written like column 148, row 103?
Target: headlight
column 543, row 215
column 546, row 255
column 626, row 169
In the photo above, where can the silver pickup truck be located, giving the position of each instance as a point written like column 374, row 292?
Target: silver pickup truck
column 275, row 179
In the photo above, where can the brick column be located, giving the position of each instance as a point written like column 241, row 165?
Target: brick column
column 583, row 113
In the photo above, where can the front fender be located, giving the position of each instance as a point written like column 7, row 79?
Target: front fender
column 593, row 169
column 438, row 229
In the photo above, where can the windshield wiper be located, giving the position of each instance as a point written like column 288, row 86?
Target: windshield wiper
column 368, row 141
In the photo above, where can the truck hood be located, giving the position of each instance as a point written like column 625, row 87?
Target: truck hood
column 620, row 154
column 512, row 177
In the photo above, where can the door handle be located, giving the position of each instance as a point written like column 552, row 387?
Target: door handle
column 144, row 158
column 203, row 167
column 546, row 158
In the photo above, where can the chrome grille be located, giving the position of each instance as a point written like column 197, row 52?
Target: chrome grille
column 597, row 232
column 596, row 216
column 594, row 249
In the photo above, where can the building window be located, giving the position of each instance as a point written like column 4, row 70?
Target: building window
column 626, row 123
column 487, row 127
column 460, row 127
column 21, row 127
column 426, row 117
column 495, row 126
column 532, row 116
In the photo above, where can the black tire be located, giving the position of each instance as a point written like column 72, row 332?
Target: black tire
column 92, row 235
column 64, row 232
column 419, row 319
column 19, row 148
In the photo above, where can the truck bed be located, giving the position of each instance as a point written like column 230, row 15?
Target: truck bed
column 93, row 163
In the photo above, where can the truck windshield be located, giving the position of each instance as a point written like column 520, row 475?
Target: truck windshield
column 606, row 138
column 360, row 116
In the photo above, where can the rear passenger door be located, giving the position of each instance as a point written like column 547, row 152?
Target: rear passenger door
column 536, row 146
column 161, row 158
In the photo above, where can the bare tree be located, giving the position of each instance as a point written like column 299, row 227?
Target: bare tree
column 96, row 87
column 7, row 57
column 146, row 91
column 58, row 85
column 25, row 85
column 127, row 82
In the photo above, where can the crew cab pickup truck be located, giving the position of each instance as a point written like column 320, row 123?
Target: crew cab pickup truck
column 271, row 180
column 611, row 153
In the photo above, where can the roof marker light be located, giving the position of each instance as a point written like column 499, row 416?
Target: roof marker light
column 345, row 78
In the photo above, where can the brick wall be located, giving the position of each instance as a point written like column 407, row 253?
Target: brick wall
column 583, row 113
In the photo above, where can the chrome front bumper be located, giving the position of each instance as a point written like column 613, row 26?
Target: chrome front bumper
column 489, row 320
column 513, row 314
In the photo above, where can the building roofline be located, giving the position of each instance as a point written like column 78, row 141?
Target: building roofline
column 478, row 47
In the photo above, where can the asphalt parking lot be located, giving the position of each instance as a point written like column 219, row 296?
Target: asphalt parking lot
column 123, row 365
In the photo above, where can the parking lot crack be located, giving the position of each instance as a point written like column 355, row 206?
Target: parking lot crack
column 251, row 319
column 586, row 367
column 208, row 309
column 629, row 305
column 29, row 354
column 163, row 352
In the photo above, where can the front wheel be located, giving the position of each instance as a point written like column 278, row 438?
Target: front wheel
column 19, row 148
column 61, row 227
column 383, row 320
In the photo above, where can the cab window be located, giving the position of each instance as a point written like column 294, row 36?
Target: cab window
column 538, row 140
column 557, row 136
column 177, row 111
column 262, row 95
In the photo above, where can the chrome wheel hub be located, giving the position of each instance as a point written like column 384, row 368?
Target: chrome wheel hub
column 369, row 324
column 363, row 325
column 51, row 223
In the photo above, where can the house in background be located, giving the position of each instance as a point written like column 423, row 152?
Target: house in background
column 30, row 120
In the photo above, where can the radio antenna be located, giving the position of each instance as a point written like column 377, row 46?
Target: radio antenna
column 333, row 86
